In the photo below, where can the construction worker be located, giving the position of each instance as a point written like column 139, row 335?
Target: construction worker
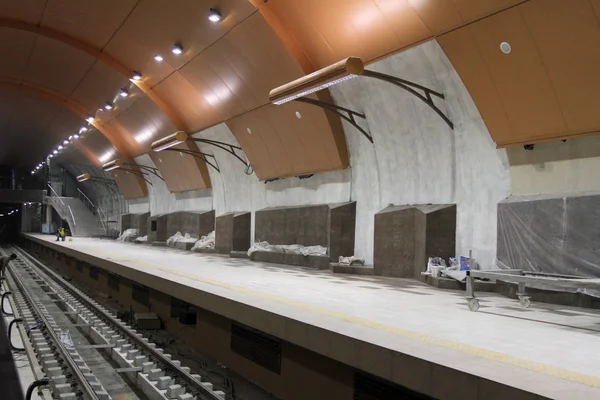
column 4, row 260
column 60, row 234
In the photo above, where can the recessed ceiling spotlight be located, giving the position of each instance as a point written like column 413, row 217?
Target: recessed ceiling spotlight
column 136, row 76
column 108, row 106
column 60, row 147
column 54, row 152
column 70, row 137
column 83, row 129
column 214, row 15
column 177, row 49
column 90, row 119
column 75, row 136
column 158, row 58
column 51, row 155
column 65, row 142
column 124, row 92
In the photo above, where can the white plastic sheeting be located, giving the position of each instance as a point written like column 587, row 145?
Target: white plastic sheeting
column 351, row 260
column 205, row 242
column 142, row 239
column 179, row 238
column 128, row 234
column 288, row 248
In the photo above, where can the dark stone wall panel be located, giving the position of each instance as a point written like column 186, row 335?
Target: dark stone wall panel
column 232, row 232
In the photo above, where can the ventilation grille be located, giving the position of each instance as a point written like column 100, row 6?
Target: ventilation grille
column 368, row 387
column 79, row 266
column 153, row 226
column 113, row 282
column 183, row 311
column 140, row 294
column 94, row 273
column 258, row 347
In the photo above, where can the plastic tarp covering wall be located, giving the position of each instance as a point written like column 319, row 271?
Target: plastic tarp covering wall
column 551, row 234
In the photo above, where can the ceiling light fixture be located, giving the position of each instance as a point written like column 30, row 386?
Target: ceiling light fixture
column 170, row 141
column 124, row 92
column 75, row 136
column 177, row 49
column 51, row 155
column 214, row 15
column 60, row 147
column 54, row 152
column 90, row 119
column 112, row 165
column 108, row 106
column 136, row 76
column 158, row 58
column 65, row 142
column 71, row 137
column 84, row 177
column 83, row 129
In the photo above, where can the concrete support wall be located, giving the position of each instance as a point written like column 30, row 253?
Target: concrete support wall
column 135, row 221
column 232, row 232
column 197, row 224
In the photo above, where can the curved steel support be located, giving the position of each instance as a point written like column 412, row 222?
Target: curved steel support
column 145, row 168
column 412, row 88
column 4, row 312
column 200, row 155
column 339, row 111
column 231, row 149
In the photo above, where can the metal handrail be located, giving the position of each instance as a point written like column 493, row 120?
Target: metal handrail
column 86, row 198
column 63, row 209
column 72, row 216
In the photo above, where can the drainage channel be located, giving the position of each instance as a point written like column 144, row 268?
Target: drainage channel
column 85, row 351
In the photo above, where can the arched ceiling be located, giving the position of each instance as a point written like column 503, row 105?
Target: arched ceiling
column 63, row 60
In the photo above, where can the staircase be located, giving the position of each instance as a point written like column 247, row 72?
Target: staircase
column 81, row 220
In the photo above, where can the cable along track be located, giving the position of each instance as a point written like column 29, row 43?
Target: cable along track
column 38, row 290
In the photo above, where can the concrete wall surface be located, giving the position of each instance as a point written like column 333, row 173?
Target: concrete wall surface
column 556, row 167
column 416, row 158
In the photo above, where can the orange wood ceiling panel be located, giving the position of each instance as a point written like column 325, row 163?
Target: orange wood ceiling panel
column 130, row 184
column 197, row 107
column 22, row 10
column 328, row 31
column 182, row 172
column 237, row 72
column 94, row 22
column 279, row 144
column 57, row 66
column 155, row 25
column 545, row 88
column 567, row 36
column 146, row 124
column 15, row 48
column 102, row 84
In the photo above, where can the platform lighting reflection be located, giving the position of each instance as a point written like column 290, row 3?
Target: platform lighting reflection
column 170, row 141
column 124, row 92
column 319, row 80
column 177, row 49
column 214, row 15
column 136, row 76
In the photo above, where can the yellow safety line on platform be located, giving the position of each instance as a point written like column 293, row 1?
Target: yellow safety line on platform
column 449, row 344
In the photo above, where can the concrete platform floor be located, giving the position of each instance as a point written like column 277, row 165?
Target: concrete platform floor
column 553, row 351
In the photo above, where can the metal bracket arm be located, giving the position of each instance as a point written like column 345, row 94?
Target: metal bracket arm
column 412, row 88
column 200, row 155
column 349, row 116
column 231, row 149
column 141, row 174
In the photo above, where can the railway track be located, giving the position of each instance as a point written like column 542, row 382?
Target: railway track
column 84, row 351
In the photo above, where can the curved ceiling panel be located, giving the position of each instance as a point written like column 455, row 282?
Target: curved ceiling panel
column 146, row 124
column 23, row 10
column 30, row 127
column 291, row 139
column 182, row 172
column 57, row 66
column 91, row 21
column 15, row 48
column 328, row 31
column 155, row 25
column 131, row 184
